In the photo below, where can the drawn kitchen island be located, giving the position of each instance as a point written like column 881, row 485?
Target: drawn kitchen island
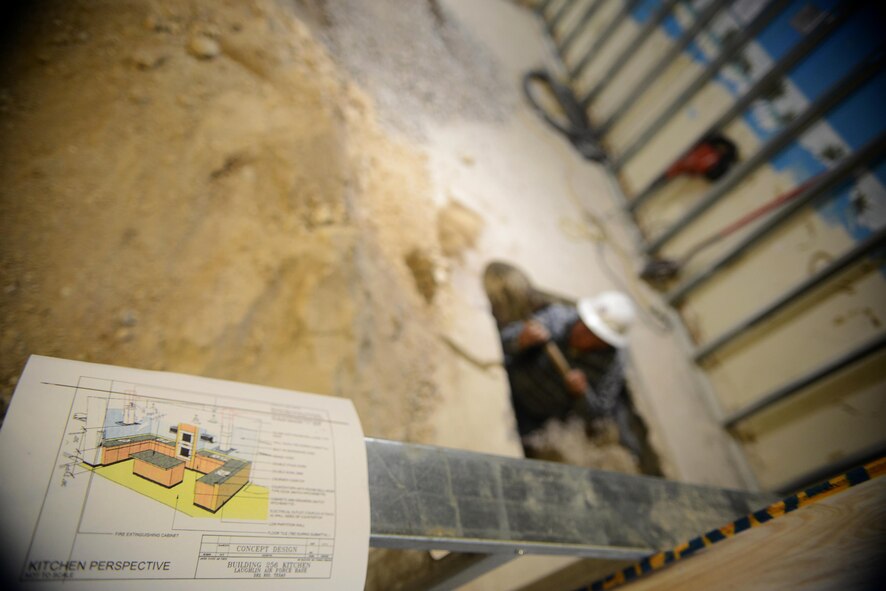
column 163, row 461
column 158, row 467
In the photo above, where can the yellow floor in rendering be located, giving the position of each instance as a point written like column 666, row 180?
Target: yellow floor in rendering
column 251, row 503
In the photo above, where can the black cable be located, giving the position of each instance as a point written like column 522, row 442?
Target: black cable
column 577, row 127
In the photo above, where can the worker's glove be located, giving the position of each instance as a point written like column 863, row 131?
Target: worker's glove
column 533, row 334
column 576, row 382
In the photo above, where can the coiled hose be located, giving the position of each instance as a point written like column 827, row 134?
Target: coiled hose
column 576, row 126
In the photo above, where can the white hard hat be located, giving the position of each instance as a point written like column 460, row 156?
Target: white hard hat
column 609, row 315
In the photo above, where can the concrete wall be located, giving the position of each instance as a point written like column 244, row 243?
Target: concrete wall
column 838, row 416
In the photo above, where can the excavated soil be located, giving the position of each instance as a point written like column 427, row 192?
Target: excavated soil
column 199, row 187
column 195, row 186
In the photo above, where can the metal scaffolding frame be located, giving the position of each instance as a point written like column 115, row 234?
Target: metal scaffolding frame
column 579, row 27
column 818, row 30
column 842, row 89
column 653, row 73
column 604, row 37
column 860, row 159
column 858, row 252
column 629, row 51
column 799, row 384
column 559, row 16
column 796, row 54
column 727, row 53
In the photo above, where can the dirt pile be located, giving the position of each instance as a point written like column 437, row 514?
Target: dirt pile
column 194, row 186
column 458, row 228
column 568, row 442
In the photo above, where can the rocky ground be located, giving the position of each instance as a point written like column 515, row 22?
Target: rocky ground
column 206, row 187
column 198, row 187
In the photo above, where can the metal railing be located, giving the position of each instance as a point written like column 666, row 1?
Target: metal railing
column 818, row 34
column 861, row 74
column 853, row 164
column 814, row 33
column 601, row 41
column 727, row 53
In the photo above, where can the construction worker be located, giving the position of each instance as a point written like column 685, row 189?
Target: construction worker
column 566, row 360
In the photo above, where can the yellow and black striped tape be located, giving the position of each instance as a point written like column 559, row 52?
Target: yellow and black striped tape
column 791, row 503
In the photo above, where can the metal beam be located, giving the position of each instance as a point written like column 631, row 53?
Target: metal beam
column 831, row 98
column 856, row 253
column 871, row 152
column 558, row 16
column 629, row 51
column 424, row 497
column 652, row 74
column 576, row 32
column 795, row 55
column 727, row 52
column 802, row 382
column 547, row 8
column 542, row 6
column 604, row 37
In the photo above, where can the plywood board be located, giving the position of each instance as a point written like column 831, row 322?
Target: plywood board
column 836, row 543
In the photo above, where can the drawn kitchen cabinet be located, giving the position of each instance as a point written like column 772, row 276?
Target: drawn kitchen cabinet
column 164, row 461
column 206, row 464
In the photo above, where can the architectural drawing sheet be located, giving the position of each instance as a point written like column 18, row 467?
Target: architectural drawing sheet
column 124, row 478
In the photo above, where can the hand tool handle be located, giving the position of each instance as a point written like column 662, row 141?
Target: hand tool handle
column 557, row 358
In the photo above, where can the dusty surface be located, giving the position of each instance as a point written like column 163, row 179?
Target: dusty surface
column 458, row 228
column 568, row 442
column 218, row 198
column 416, row 59
column 197, row 187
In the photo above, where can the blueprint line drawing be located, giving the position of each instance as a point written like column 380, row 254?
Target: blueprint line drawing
column 250, row 482
column 136, row 476
column 170, row 446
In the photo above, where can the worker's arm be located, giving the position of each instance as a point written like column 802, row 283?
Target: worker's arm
column 520, row 336
column 576, row 383
column 603, row 399
column 509, row 335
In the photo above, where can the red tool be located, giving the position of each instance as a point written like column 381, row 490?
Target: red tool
column 711, row 158
column 662, row 269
